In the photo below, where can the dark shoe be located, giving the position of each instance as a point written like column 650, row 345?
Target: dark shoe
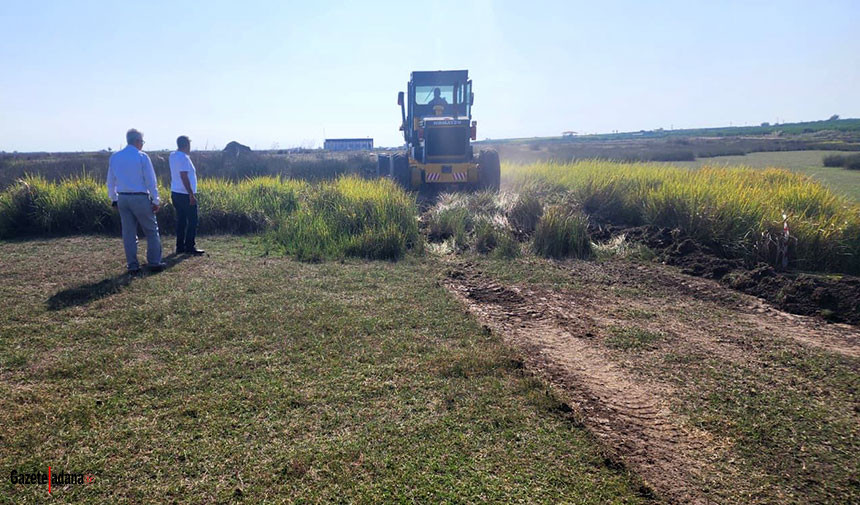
column 179, row 251
column 196, row 252
column 156, row 268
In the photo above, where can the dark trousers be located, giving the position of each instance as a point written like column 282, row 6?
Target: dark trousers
column 186, row 222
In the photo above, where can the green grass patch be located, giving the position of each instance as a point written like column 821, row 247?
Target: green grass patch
column 796, row 423
column 632, row 338
column 239, row 378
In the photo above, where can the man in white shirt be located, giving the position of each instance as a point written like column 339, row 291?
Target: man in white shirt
column 133, row 189
column 183, row 194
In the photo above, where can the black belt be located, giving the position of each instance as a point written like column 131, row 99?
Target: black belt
column 133, row 193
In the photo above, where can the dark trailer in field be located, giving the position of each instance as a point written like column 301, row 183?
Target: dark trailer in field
column 348, row 144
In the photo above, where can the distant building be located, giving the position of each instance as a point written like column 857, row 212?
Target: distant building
column 348, row 144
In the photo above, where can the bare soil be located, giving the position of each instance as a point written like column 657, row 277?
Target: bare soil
column 632, row 401
column 833, row 298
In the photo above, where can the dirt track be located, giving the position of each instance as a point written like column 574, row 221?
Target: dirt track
column 562, row 334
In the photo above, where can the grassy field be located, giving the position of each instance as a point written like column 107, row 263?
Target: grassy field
column 248, row 376
column 240, row 378
column 783, row 415
column 839, row 180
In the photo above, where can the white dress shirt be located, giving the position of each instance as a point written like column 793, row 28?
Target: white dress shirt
column 181, row 162
column 130, row 171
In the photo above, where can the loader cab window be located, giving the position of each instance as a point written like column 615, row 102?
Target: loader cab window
column 424, row 95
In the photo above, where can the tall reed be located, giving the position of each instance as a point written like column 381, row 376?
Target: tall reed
column 736, row 209
column 349, row 216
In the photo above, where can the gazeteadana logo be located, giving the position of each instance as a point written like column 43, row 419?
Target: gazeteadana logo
column 50, row 479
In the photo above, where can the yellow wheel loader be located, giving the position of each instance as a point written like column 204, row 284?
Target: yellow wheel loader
column 438, row 128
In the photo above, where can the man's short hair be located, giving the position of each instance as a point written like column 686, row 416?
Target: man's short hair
column 183, row 142
column 133, row 136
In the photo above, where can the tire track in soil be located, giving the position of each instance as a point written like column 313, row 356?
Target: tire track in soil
column 631, row 418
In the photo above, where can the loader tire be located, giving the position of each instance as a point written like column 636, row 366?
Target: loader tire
column 401, row 173
column 489, row 170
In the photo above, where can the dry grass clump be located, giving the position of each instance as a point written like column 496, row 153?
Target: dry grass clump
column 525, row 213
column 562, row 233
column 477, row 221
column 498, row 223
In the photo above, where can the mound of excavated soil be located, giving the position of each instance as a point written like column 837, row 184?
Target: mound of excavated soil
column 834, row 298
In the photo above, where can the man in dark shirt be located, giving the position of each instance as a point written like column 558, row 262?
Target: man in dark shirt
column 437, row 98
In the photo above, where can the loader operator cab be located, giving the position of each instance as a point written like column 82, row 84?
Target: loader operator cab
column 437, row 116
column 454, row 96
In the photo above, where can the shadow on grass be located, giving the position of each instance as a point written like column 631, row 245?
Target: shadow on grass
column 86, row 293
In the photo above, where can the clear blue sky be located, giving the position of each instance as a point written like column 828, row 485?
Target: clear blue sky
column 76, row 75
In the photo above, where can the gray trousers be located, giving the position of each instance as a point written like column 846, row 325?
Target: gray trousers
column 137, row 210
